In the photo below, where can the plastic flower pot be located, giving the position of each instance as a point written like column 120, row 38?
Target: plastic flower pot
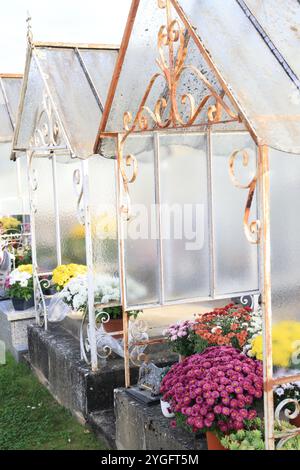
column 113, row 327
column 22, row 304
column 165, row 409
column 213, row 442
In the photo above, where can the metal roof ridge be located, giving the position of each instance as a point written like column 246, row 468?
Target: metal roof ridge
column 74, row 45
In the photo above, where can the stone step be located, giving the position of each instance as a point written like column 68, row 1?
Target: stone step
column 55, row 357
column 142, row 427
column 103, row 424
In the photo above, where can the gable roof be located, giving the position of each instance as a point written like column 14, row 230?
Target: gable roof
column 64, row 85
column 10, row 88
column 261, row 87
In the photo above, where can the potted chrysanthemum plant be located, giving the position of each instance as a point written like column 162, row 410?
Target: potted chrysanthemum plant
column 214, row 392
column 180, row 337
column 20, row 287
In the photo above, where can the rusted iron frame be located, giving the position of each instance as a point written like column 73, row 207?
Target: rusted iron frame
column 264, row 181
column 121, row 253
column 117, row 71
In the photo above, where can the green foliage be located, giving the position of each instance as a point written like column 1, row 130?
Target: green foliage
column 16, row 291
column 252, row 437
column 31, row 419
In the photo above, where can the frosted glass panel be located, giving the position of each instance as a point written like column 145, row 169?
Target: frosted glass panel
column 236, row 260
column 12, row 88
column 100, row 65
column 71, row 231
column 32, row 106
column 183, row 176
column 285, row 259
column 280, row 19
column 103, row 215
column 10, row 201
column 259, row 82
column 45, row 218
column 139, row 65
column 141, row 246
column 6, row 130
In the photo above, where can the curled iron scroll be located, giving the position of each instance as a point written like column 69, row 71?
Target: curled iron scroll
column 252, row 229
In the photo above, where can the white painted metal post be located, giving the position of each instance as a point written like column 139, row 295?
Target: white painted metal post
column 90, row 266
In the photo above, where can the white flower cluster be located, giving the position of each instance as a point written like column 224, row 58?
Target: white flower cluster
column 107, row 289
column 75, row 292
column 21, row 277
column 254, row 328
column 292, row 387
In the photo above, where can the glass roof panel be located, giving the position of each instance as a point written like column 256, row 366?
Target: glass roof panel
column 100, row 65
column 73, row 96
column 12, row 88
column 258, row 81
column 281, row 21
column 32, row 107
column 140, row 66
column 67, row 75
column 6, row 129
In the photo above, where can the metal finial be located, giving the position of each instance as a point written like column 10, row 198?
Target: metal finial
column 29, row 29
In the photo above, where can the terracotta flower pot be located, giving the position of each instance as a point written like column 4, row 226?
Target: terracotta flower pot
column 213, row 442
column 296, row 421
column 113, row 326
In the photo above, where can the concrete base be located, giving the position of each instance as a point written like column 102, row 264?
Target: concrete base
column 13, row 328
column 140, row 427
column 55, row 357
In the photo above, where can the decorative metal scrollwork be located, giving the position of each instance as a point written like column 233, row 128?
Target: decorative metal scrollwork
column 128, row 161
column 138, row 333
column 39, row 300
column 108, row 343
column 285, row 434
column 171, row 71
column 33, row 183
column 47, row 129
column 252, row 229
column 78, row 188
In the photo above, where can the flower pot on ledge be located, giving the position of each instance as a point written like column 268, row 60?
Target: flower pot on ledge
column 113, row 327
column 213, row 442
column 22, row 304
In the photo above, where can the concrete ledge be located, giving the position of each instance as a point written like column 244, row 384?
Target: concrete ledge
column 13, row 328
column 140, row 427
column 55, row 357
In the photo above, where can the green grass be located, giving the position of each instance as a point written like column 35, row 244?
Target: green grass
column 31, row 419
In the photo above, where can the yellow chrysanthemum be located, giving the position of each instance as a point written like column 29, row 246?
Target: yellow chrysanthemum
column 9, row 223
column 63, row 273
column 78, row 232
column 25, row 268
column 285, row 336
